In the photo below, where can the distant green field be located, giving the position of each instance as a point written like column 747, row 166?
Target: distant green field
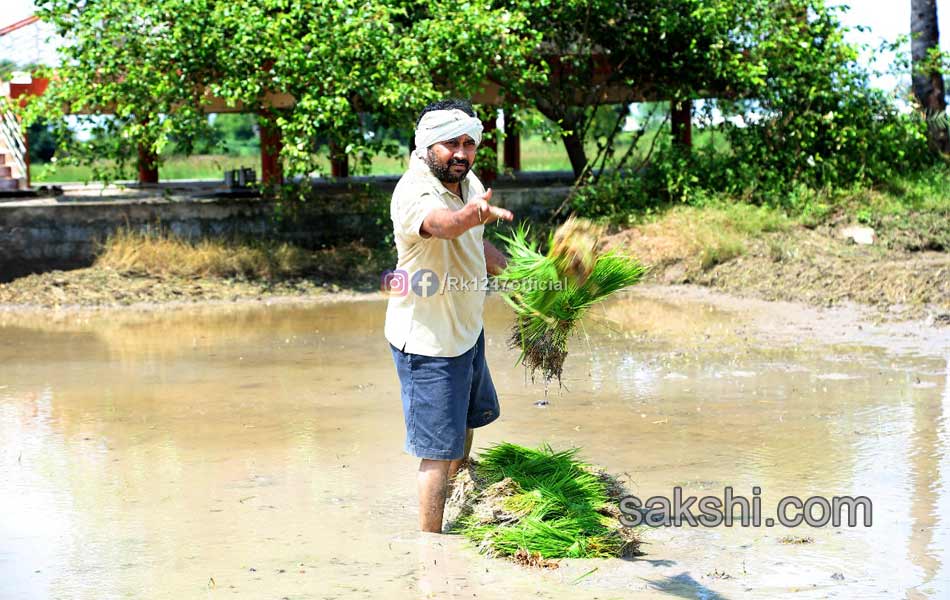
column 536, row 155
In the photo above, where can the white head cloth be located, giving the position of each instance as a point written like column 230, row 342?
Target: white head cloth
column 441, row 125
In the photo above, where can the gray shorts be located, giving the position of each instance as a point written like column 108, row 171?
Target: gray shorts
column 442, row 397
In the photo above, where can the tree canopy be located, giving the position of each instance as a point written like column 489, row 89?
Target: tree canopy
column 355, row 67
column 156, row 64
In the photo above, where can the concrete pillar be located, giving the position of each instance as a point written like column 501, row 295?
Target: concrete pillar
column 681, row 119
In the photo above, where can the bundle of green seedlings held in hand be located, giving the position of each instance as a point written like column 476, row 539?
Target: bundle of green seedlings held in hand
column 551, row 292
column 537, row 505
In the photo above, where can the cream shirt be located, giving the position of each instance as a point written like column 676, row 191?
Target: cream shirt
column 440, row 313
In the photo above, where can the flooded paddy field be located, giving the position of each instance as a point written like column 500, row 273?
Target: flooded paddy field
column 256, row 452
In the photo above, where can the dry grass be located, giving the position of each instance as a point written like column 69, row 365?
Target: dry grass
column 760, row 252
column 168, row 255
column 699, row 237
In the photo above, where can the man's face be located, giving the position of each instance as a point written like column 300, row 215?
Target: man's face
column 451, row 160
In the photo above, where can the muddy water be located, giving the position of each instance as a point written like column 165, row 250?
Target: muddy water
column 256, row 453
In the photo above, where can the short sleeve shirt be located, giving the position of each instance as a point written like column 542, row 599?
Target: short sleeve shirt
column 437, row 307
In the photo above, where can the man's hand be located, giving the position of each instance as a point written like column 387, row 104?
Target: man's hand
column 488, row 213
column 495, row 260
column 449, row 224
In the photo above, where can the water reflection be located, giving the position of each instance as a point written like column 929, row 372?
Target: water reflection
column 256, row 451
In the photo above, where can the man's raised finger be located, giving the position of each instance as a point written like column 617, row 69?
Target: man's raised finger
column 501, row 213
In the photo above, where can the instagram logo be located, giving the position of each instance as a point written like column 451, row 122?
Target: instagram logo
column 394, row 282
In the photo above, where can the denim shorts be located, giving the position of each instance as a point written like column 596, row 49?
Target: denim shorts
column 442, row 397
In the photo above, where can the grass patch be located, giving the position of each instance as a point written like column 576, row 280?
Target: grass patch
column 910, row 213
column 537, row 154
column 540, row 503
column 168, row 255
column 199, row 167
column 700, row 236
column 723, row 229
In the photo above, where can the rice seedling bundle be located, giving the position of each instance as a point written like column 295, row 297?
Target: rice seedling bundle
column 551, row 292
column 520, row 501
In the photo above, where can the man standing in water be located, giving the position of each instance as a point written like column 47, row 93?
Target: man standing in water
column 434, row 318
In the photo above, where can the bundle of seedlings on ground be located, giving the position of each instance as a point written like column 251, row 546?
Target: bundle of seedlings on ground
column 537, row 505
column 551, row 292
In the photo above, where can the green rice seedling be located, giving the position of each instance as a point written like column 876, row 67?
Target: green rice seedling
column 556, row 507
column 550, row 293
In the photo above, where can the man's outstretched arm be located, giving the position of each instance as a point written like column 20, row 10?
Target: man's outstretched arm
column 448, row 224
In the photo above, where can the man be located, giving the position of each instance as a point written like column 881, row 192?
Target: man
column 434, row 321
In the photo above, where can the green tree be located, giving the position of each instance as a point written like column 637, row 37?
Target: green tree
column 41, row 142
column 146, row 62
column 803, row 114
column 7, row 67
column 632, row 50
column 812, row 117
column 157, row 63
column 343, row 61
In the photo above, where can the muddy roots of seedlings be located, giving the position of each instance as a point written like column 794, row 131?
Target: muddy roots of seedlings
column 545, row 354
column 537, row 505
column 550, row 293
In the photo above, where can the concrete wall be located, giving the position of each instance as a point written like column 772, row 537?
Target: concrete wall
column 65, row 232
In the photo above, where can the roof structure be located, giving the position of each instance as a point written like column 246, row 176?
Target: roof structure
column 29, row 42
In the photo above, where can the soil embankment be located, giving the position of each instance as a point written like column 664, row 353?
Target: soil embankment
column 778, row 261
column 818, row 266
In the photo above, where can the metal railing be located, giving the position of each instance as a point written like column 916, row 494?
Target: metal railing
column 11, row 138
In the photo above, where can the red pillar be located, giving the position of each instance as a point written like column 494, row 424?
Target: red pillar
column 148, row 165
column 681, row 119
column 36, row 87
column 512, row 144
column 339, row 165
column 489, row 170
column 272, row 171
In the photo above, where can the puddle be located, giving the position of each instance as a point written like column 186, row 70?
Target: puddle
column 256, row 452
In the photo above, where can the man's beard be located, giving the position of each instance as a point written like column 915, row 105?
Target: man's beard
column 443, row 172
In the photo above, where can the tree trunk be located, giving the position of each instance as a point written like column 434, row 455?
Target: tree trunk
column 574, row 142
column 571, row 119
column 928, row 82
column 575, row 152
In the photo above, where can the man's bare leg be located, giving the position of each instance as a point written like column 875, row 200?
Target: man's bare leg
column 455, row 465
column 433, row 482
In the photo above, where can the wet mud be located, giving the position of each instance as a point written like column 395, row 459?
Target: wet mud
column 256, row 451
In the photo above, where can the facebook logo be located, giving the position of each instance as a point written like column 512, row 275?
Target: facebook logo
column 425, row 283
